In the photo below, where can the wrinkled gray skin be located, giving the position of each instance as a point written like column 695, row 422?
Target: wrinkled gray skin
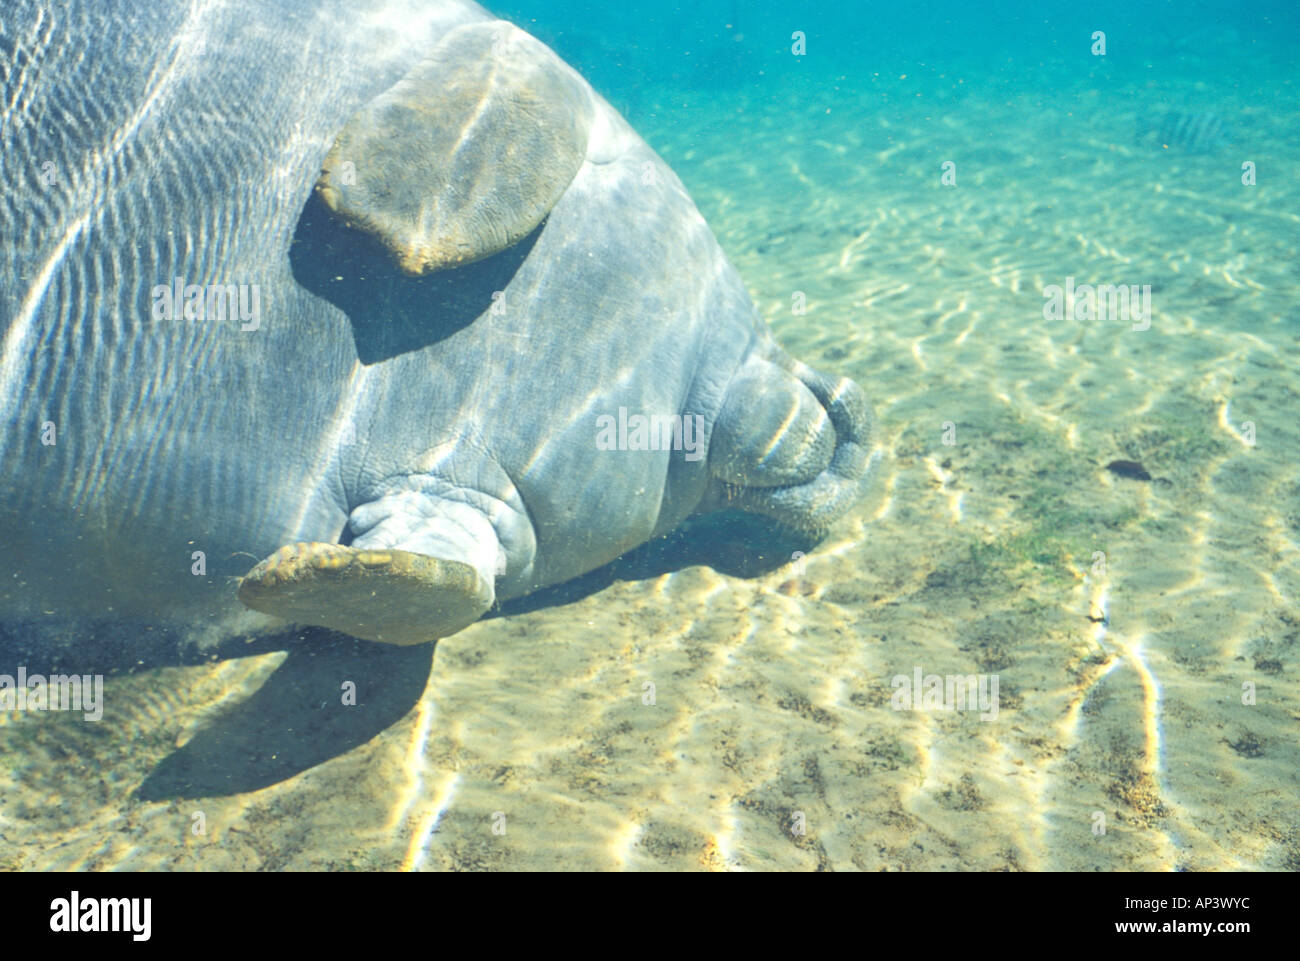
column 143, row 142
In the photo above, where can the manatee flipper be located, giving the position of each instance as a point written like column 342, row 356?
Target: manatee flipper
column 466, row 154
column 421, row 568
column 393, row 596
column 776, row 456
column 771, row 431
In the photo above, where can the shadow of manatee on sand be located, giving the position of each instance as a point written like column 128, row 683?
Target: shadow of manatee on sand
column 297, row 720
column 732, row 543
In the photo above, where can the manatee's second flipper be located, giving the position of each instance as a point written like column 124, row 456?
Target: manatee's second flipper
column 466, row 154
column 791, row 443
column 424, row 565
column 393, row 596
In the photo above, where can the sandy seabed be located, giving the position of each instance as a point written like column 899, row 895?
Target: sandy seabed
column 1125, row 619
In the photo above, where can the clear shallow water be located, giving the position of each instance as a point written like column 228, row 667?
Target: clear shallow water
column 1120, row 686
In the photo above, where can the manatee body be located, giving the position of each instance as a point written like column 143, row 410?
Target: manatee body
column 322, row 313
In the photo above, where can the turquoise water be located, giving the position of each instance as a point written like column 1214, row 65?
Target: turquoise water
column 902, row 189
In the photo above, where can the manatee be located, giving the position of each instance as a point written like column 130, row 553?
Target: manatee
column 367, row 316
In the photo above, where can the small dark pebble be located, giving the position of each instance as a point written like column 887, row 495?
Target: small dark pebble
column 1128, row 468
